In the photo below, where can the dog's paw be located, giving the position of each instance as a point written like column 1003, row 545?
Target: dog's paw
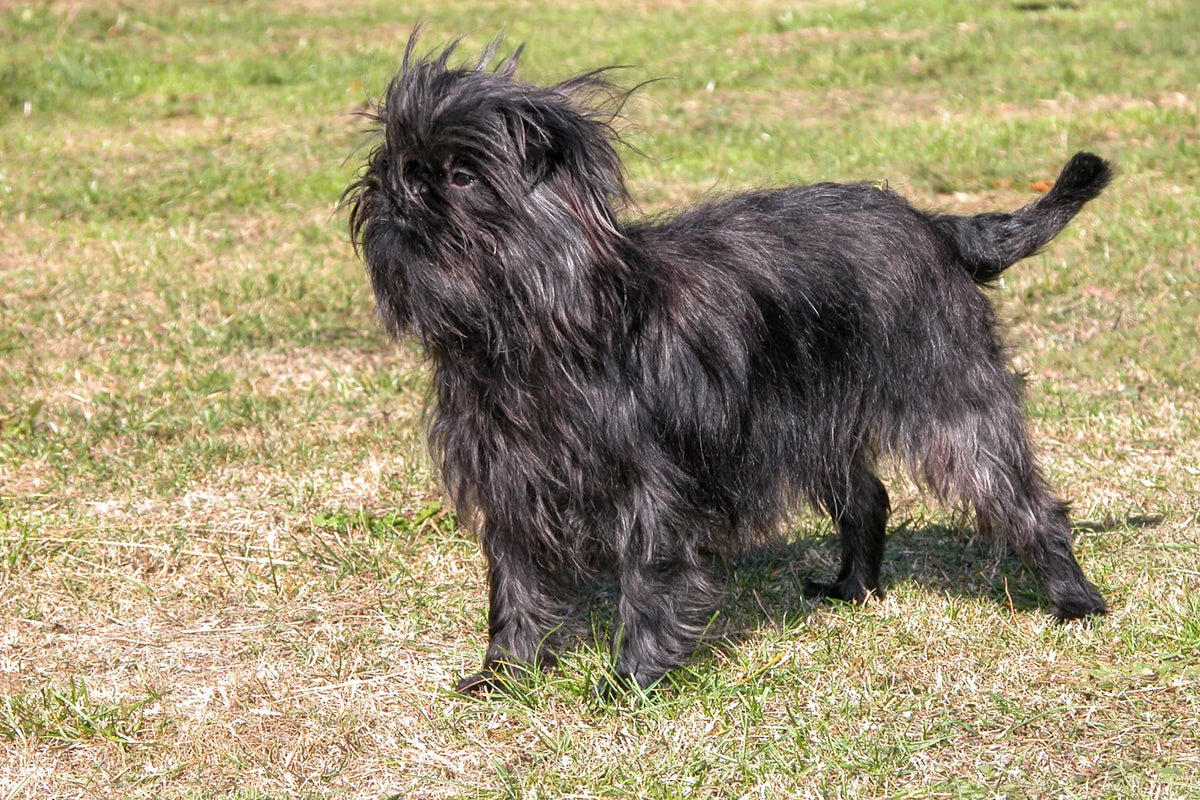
column 1080, row 606
column 481, row 684
column 845, row 591
column 609, row 689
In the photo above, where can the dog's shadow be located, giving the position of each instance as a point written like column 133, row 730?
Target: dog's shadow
column 766, row 586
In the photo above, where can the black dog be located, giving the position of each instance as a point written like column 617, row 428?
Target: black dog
column 644, row 398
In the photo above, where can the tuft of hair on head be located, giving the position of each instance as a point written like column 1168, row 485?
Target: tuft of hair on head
column 591, row 95
column 506, row 67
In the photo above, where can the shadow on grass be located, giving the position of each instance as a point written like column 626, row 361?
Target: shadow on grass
column 766, row 585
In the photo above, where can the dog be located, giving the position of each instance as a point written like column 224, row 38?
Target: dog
column 640, row 400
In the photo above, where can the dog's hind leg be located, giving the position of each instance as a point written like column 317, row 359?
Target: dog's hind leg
column 1017, row 503
column 858, row 503
column 982, row 455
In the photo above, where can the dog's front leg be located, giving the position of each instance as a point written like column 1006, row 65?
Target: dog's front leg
column 660, row 611
column 521, row 615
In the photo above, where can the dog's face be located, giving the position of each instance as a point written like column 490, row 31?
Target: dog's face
column 475, row 174
column 437, row 180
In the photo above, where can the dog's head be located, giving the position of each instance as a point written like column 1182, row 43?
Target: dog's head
column 476, row 176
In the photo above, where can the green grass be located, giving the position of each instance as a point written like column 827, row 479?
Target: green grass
column 225, row 566
column 69, row 715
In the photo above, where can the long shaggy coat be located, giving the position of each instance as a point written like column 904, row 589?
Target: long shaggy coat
column 647, row 397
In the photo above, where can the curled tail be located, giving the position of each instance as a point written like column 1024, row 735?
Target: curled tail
column 987, row 244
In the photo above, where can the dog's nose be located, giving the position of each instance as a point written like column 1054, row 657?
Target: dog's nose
column 415, row 181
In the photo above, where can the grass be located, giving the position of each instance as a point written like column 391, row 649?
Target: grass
column 225, row 568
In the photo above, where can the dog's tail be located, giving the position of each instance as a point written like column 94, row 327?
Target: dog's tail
column 987, row 244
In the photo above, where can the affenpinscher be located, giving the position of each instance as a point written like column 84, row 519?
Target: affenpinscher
column 640, row 399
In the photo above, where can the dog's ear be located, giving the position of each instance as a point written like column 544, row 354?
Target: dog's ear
column 568, row 150
column 559, row 133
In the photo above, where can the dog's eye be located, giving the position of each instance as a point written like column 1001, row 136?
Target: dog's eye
column 461, row 178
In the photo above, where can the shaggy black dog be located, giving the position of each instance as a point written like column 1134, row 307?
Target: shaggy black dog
column 644, row 398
